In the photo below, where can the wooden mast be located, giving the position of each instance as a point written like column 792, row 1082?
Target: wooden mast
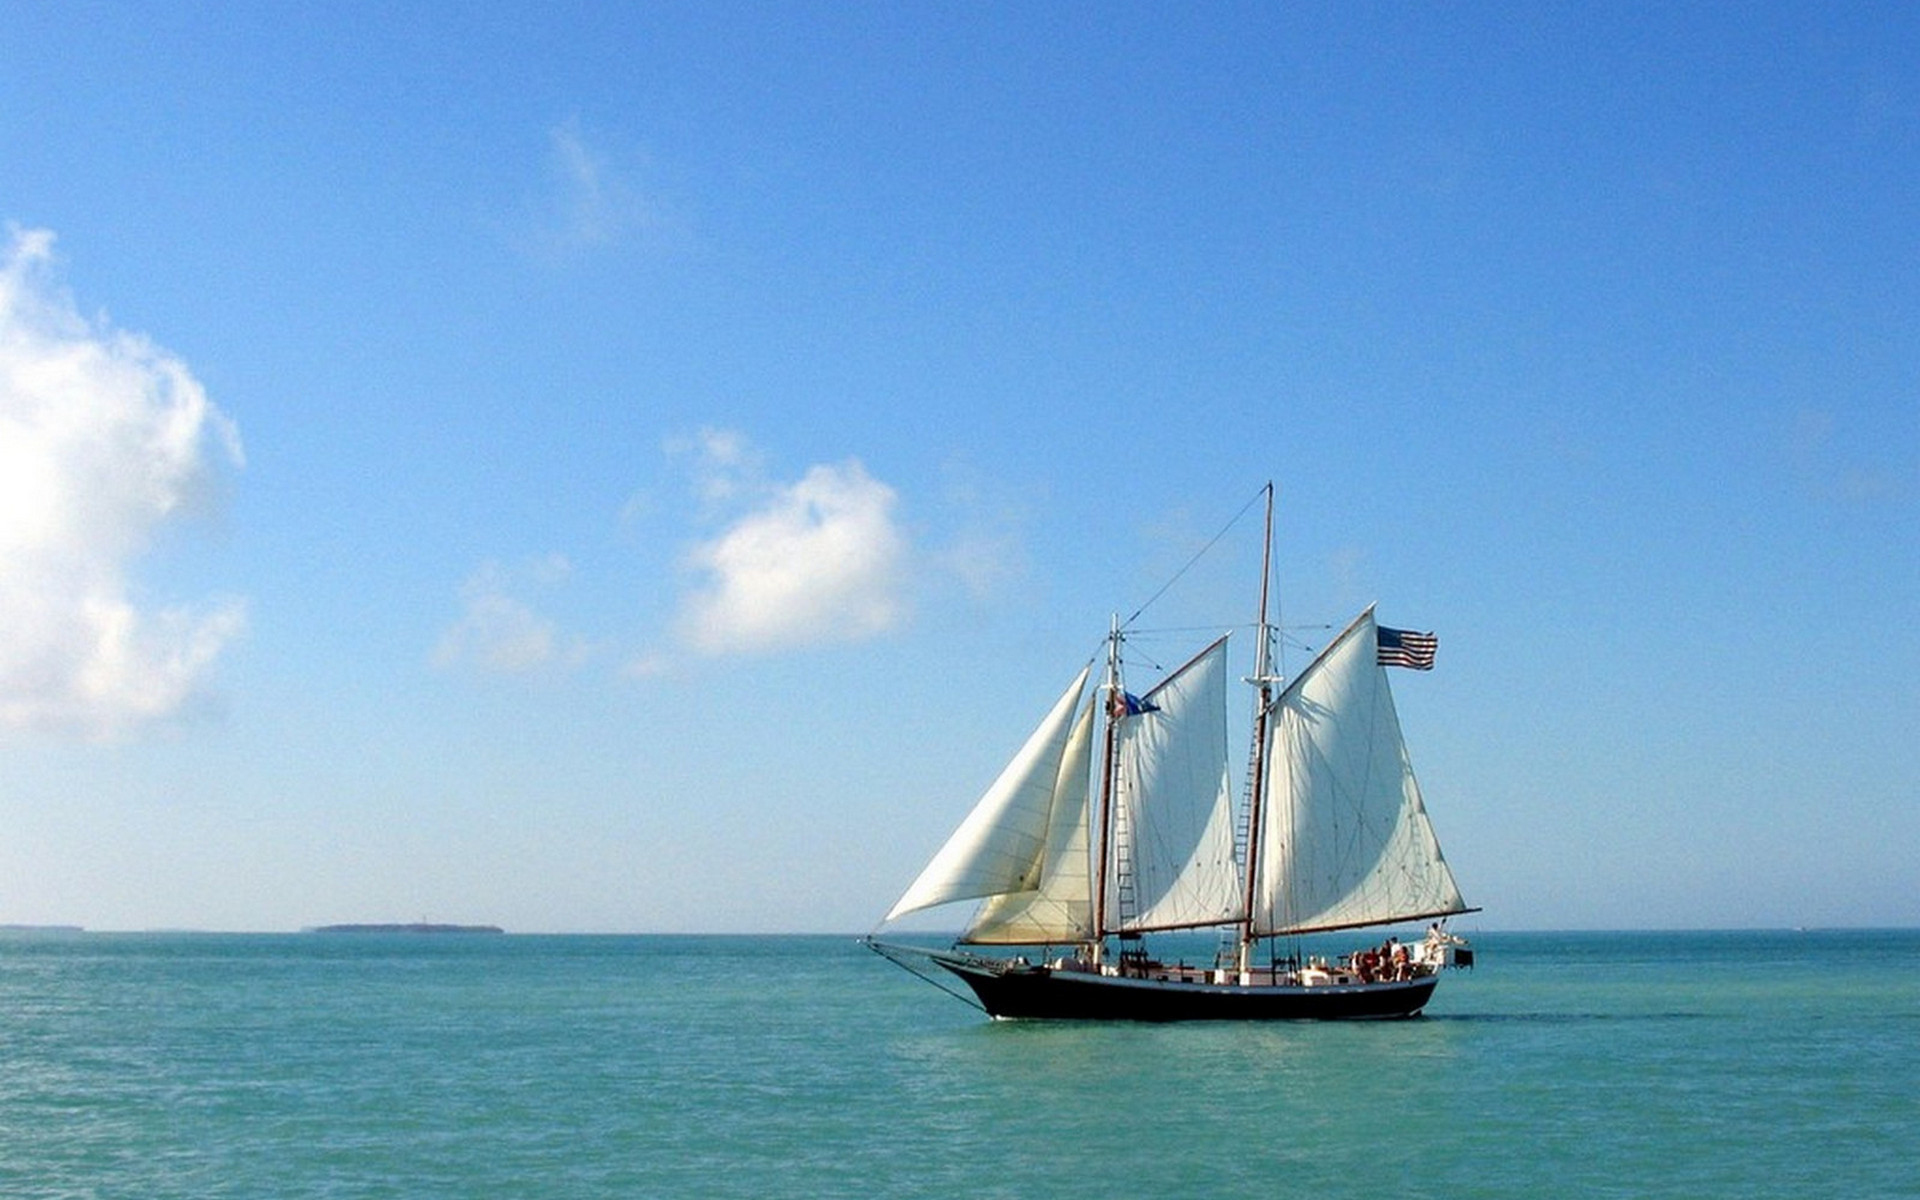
column 1257, row 786
column 1096, row 948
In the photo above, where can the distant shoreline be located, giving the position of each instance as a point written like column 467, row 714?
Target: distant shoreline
column 407, row 927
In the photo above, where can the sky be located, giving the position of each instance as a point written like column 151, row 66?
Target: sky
column 644, row 468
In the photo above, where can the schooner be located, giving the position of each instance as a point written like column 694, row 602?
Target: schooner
column 1116, row 820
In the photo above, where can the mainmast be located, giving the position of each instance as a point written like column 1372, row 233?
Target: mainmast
column 1257, row 785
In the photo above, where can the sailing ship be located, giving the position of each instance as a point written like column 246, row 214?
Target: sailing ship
column 1078, row 862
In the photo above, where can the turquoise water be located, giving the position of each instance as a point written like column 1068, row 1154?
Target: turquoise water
column 158, row 1065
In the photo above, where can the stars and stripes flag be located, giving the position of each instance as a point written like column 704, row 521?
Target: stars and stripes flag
column 1405, row 648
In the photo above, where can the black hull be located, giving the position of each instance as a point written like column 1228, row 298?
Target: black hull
column 1041, row 993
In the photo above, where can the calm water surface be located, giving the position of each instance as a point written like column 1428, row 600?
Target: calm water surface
column 151, row 1066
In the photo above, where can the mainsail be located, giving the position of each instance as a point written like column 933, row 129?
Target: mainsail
column 1174, row 805
column 1345, row 839
column 1002, row 844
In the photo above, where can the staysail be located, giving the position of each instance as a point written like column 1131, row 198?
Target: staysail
column 1174, row 805
column 1002, row 844
column 1060, row 908
column 1345, row 839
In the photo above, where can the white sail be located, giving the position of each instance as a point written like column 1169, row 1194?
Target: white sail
column 1174, row 805
column 1001, row 845
column 1060, row 909
column 1345, row 840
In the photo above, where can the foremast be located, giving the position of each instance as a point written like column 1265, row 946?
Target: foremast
column 1167, row 825
column 1095, row 948
column 1257, row 771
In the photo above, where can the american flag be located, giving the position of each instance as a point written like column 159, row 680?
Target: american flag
column 1405, row 648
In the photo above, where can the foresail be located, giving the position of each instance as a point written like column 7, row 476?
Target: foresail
column 1060, row 909
column 1001, row 845
column 1346, row 840
column 1173, row 866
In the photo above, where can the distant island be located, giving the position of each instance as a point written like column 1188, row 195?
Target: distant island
column 407, row 927
column 9, row 928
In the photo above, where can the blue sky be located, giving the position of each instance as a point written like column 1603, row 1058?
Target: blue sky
column 586, row 469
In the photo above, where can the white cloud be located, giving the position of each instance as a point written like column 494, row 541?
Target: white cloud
column 501, row 633
column 103, row 438
column 820, row 560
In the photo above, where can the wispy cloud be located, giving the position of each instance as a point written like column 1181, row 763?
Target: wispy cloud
column 1835, row 473
column 817, row 560
column 726, row 467
column 501, row 633
column 987, row 552
column 104, row 437
column 591, row 200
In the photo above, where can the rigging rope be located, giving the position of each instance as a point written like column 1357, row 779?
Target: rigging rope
column 1197, row 556
column 898, row 957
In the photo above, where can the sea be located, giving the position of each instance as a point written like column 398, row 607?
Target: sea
column 158, row 1065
